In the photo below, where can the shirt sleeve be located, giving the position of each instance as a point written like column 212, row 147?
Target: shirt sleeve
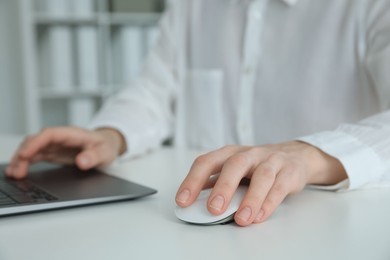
column 363, row 148
column 143, row 111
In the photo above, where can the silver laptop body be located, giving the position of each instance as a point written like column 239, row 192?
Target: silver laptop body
column 50, row 186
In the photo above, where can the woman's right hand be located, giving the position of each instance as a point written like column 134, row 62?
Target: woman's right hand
column 67, row 145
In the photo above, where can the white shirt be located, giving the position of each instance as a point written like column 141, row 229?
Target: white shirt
column 267, row 71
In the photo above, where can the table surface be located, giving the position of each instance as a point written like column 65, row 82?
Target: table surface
column 310, row 225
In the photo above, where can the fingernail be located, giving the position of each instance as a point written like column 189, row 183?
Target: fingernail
column 183, row 196
column 217, row 203
column 259, row 216
column 245, row 214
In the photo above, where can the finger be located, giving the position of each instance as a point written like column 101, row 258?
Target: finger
column 34, row 145
column 14, row 170
column 19, row 170
column 211, row 181
column 93, row 157
column 15, row 156
column 261, row 183
column 234, row 170
column 61, row 158
column 66, row 136
column 214, row 178
column 282, row 187
column 203, row 167
column 66, row 156
column 59, row 154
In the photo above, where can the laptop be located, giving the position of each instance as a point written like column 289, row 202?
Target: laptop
column 50, row 186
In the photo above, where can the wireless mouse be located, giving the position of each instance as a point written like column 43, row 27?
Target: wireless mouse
column 197, row 213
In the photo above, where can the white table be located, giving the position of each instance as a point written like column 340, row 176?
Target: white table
column 309, row 225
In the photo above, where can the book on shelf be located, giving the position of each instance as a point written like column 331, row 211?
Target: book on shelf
column 86, row 47
column 59, row 58
column 87, row 57
column 128, row 50
column 56, row 48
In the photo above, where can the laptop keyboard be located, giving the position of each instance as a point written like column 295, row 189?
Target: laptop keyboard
column 14, row 193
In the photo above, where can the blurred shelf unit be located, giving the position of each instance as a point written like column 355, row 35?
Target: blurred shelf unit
column 78, row 52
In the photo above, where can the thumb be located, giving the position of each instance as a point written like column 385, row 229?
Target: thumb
column 91, row 158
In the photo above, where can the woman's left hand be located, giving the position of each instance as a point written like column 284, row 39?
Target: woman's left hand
column 275, row 171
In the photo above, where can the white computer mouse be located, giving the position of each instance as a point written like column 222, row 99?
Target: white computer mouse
column 197, row 213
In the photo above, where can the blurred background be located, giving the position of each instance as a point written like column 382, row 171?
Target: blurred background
column 60, row 59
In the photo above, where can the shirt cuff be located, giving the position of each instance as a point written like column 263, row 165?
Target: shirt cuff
column 362, row 164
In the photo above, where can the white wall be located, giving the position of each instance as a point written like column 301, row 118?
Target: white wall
column 11, row 89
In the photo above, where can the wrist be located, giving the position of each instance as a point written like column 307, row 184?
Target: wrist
column 324, row 169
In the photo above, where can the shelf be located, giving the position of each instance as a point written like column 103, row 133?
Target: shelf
column 48, row 19
column 78, row 53
column 46, row 93
column 136, row 19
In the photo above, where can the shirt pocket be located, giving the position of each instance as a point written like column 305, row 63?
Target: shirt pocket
column 204, row 109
